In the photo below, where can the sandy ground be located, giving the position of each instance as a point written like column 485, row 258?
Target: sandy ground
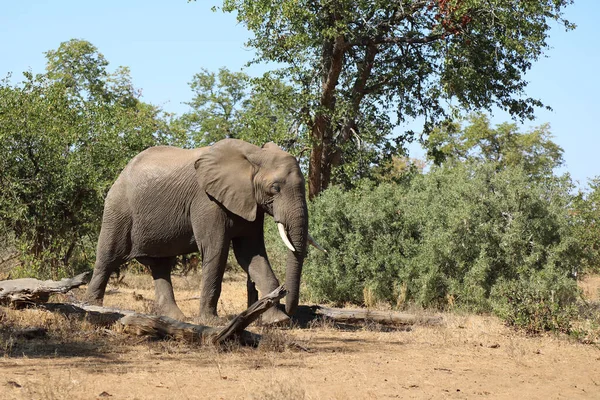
column 466, row 357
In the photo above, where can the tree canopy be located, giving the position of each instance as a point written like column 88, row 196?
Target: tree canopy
column 354, row 64
column 65, row 136
column 231, row 104
column 534, row 151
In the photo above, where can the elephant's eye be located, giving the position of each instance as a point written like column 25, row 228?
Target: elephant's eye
column 275, row 188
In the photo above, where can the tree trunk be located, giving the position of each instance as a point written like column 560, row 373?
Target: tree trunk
column 321, row 135
column 326, row 154
column 314, row 165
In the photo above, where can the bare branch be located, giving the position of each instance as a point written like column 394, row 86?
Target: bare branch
column 29, row 289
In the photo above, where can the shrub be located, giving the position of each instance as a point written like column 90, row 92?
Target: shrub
column 544, row 301
column 369, row 242
column 586, row 217
column 450, row 237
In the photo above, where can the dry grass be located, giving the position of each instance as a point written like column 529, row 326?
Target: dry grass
column 590, row 286
column 65, row 336
column 468, row 356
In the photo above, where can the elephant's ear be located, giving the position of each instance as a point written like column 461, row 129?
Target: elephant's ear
column 226, row 174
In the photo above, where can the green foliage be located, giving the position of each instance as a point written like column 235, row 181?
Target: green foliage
column 586, row 218
column 216, row 105
column 534, row 151
column 270, row 113
column 232, row 105
column 81, row 69
column 544, row 301
column 276, row 249
column 367, row 240
column 354, row 63
column 450, row 237
column 478, row 50
column 65, row 136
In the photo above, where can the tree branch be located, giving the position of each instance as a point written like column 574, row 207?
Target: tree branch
column 29, row 289
column 366, row 41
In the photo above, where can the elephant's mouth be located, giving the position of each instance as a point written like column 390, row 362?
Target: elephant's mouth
column 268, row 207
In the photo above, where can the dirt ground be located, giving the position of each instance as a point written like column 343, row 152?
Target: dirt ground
column 466, row 357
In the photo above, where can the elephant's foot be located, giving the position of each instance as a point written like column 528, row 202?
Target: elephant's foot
column 275, row 316
column 93, row 301
column 210, row 319
column 171, row 312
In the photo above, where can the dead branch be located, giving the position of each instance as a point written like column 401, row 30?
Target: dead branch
column 30, row 333
column 239, row 323
column 309, row 313
column 140, row 324
column 34, row 290
column 20, row 291
column 161, row 327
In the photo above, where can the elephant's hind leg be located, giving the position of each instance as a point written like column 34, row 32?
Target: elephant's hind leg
column 102, row 270
column 111, row 253
column 163, row 287
column 113, row 249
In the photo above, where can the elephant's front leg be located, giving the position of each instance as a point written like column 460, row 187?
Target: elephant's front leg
column 214, row 260
column 251, row 255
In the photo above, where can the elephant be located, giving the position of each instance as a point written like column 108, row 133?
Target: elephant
column 170, row 201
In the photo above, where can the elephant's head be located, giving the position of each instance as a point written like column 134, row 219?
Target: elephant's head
column 244, row 177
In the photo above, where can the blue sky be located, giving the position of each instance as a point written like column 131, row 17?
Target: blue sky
column 166, row 42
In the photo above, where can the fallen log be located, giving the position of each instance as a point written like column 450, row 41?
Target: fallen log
column 305, row 314
column 30, row 333
column 27, row 290
column 21, row 291
column 161, row 327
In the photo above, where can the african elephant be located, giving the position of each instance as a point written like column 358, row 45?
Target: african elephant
column 170, row 201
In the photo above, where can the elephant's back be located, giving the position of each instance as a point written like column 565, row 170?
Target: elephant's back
column 159, row 172
column 164, row 157
column 154, row 194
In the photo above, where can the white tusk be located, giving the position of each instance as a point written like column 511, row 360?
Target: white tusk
column 284, row 237
column 315, row 244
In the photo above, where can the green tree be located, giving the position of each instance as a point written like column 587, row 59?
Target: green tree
column 233, row 105
column 79, row 66
column 585, row 213
column 216, row 105
column 352, row 62
column 64, row 138
column 534, row 151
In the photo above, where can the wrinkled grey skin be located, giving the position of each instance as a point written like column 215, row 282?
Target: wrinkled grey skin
column 170, row 201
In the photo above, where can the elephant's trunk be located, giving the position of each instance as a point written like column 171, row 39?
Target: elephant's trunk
column 297, row 230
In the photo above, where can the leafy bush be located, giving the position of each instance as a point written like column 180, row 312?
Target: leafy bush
column 450, row 237
column 276, row 249
column 544, row 301
column 586, row 217
column 64, row 137
column 369, row 240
